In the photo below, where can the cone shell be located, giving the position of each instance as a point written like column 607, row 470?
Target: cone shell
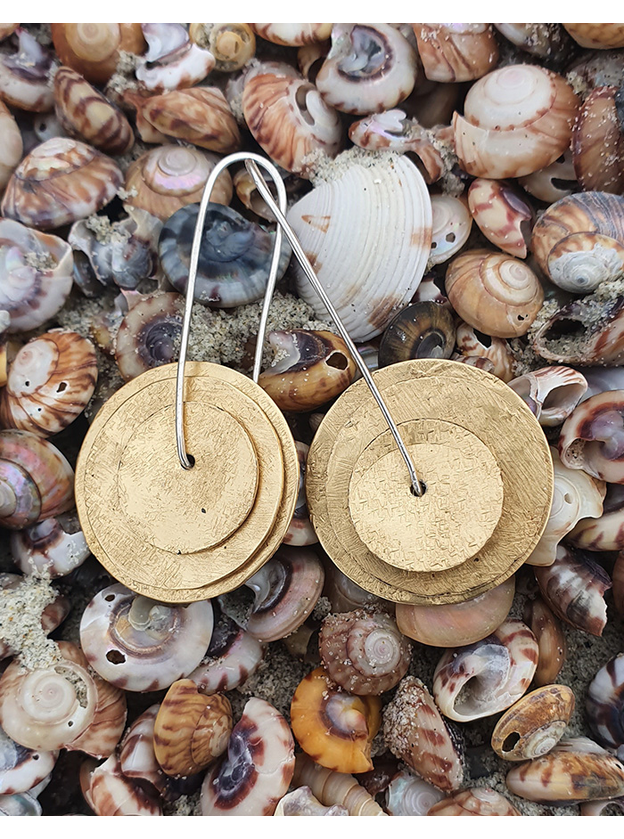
column 502, row 215
column 597, row 36
column 11, row 145
column 550, row 641
column 480, row 801
column 456, row 52
column 338, row 223
column 93, row 49
column 535, row 724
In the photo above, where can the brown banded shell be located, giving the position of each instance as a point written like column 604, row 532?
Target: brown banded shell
column 456, row 52
column 535, row 724
column 232, row 656
column 516, row 120
column 111, row 793
column 169, row 177
column 50, row 383
column 20, row 768
column 191, row 729
column 493, row 292
column 604, row 705
column 553, row 182
column 149, row 333
column 11, row 145
column 502, row 215
column 84, row 112
column 232, row 44
column 301, row 802
column 451, row 225
column 592, row 438
column 472, row 343
column 416, row 733
column 25, row 75
column 198, row 115
column 293, row 34
column 597, row 143
column 60, row 181
column 55, row 546
column 550, row 641
column 597, row 36
column 422, row 330
column 334, row 788
column 605, row 533
column 552, row 393
column 93, row 49
column 335, row 728
column 313, row 367
column 363, row 651
column 479, row 801
column 290, row 120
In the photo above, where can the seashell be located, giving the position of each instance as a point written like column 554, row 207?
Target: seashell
column 496, row 670
column 597, row 144
column 234, row 258
column 501, row 215
column 494, row 293
column 516, row 120
column 301, row 531
column 579, row 241
column 172, row 61
column 573, row 586
column 363, row 651
column 36, row 270
column 369, row 68
column 286, row 590
column 456, row 52
column 618, row 584
column 470, row 342
column 605, row 533
column 139, row 644
column 575, row 496
column 335, row 728
column 248, row 194
column 7, row 29
column 535, row 724
column 164, row 40
column 19, row 805
column 421, row 330
column 478, row 801
column 408, row 795
column 603, row 707
column 20, row 768
column 50, row 383
column 36, row 481
column 290, row 120
column 198, row 115
column 343, row 594
column 86, row 113
column 602, row 808
column 258, row 768
column 575, row 770
column 310, row 58
column 25, row 75
column 450, row 227
column 301, row 802
column 236, row 84
column 11, row 145
column 169, row 177
column 600, row 379
column 313, row 367
column 55, row 546
column 552, row 393
column 60, row 181
column 335, row 788
column 93, row 49
column 547, row 41
column 293, row 34
column 191, row 730
column 337, row 224
column 463, row 623
column 475, row 361
column 556, row 181
column 597, row 36
column 232, row 44
column 111, row 793
column 550, row 641
column 416, row 733
column 148, row 335
column 592, row 437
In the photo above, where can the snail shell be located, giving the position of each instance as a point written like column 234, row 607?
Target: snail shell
column 501, row 215
column 516, row 120
column 293, row 34
column 345, row 595
column 604, row 705
column 337, row 224
column 553, row 182
column 21, row 804
column 138, row 644
column 25, row 75
column 597, row 143
column 605, row 533
column 313, row 368
column 479, row 801
column 172, row 61
column 169, row 177
column 290, row 120
column 416, row 733
column 111, row 793
column 191, row 729
column 363, row 651
column 301, row 802
column 573, row 586
column 370, row 68
column 422, row 330
column 149, row 333
column 408, row 795
column 258, row 768
column 11, row 145
column 456, row 52
column 535, row 724
column 232, row 44
column 597, row 36
column 493, row 292
column 335, row 728
column 20, row 768
column 300, row 531
column 463, row 623
column 496, row 671
column 55, row 546
column 550, row 640
column 92, row 49
column 552, row 393
column 450, row 227
column 335, row 788
column 50, row 383
column 548, row 41
column 602, row 808
column 592, row 438
column 60, row 181
column 579, row 241
column 473, row 343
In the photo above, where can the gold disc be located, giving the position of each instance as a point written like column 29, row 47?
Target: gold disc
column 447, row 525
column 430, row 389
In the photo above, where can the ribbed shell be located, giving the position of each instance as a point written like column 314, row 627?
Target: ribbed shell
column 535, row 724
column 333, row 788
column 456, row 52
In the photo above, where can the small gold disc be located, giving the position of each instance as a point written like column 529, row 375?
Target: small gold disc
column 447, row 525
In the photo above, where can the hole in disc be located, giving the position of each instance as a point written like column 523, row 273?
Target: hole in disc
column 423, row 486
column 190, row 459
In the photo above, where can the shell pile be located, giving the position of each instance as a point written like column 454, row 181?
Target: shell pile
column 300, row 693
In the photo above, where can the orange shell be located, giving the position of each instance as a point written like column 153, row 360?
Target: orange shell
column 93, row 48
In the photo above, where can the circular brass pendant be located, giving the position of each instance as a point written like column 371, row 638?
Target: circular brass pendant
column 359, row 495
column 182, row 535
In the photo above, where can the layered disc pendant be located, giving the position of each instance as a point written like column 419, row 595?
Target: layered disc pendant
column 485, row 465
column 180, row 535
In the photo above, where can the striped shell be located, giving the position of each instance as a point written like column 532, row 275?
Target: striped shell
column 535, row 724
column 334, row 788
column 25, row 75
column 456, row 52
column 11, row 145
column 550, row 641
column 592, row 438
column 605, row 533
column 93, row 49
column 21, row 768
column 495, row 350
column 502, row 215
column 605, row 704
column 111, row 793
column 552, row 393
column 293, row 34
column 338, row 223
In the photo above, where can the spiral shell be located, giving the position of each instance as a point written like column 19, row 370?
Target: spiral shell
column 300, row 531
column 20, row 768
column 138, row 644
column 592, row 438
column 502, row 215
column 516, row 120
column 293, row 34
column 335, row 788
column 111, row 793
column 290, row 120
column 479, row 801
column 172, row 61
column 605, row 533
column 597, row 36
column 553, row 182
column 258, row 768
column 535, row 724
column 345, row 595
column 55, row 546
column 337, row 224
column 552, row 393
column 333, row 727
column 605, row 703
column 169, row 177
column 148, row 334
column 25, row 75
column 472, row 343
column 456, row 52
column 550, row 641
column 60, row 181
column 92, row 49
column 301, row 802
column 11, row 145
column 494, row 293
column 422, row 330
column 232, row 44
column 408, row 795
